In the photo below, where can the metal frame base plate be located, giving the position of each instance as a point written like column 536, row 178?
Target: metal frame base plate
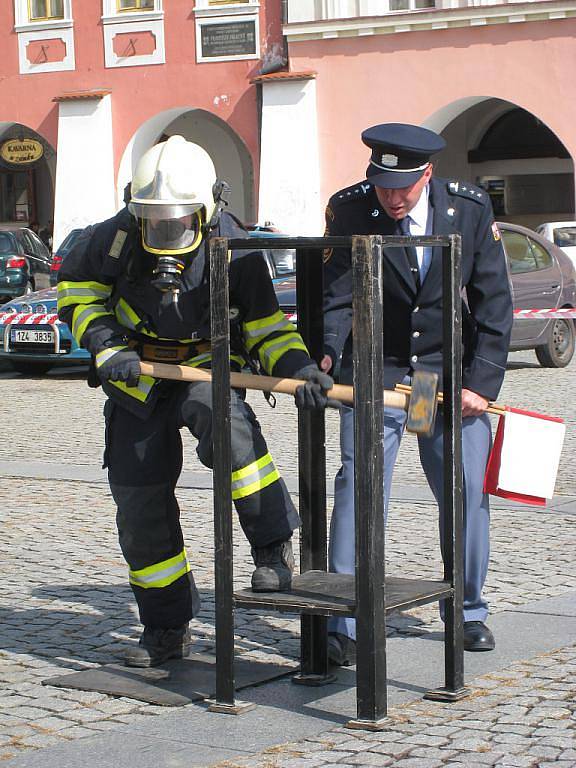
column 445, row 694
column 238, row 708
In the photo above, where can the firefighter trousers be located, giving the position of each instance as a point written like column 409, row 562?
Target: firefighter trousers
column 144, row 461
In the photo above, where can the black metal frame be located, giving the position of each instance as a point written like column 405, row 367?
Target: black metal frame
column 316, row 593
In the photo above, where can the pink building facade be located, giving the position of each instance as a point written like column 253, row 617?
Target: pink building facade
column 495, row 78
column 92, row 85
column 278, row 93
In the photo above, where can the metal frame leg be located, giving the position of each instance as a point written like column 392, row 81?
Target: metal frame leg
column 368, row 497
column 224, row 563
column 454, row 689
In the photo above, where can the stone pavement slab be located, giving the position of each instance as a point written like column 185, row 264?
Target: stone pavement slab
column 286, row 712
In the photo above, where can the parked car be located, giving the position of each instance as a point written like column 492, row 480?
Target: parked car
column 61, row 252
column 562, row 234
column 32, row 339
column 281, row 261
column 541, row 277
column 24, row 262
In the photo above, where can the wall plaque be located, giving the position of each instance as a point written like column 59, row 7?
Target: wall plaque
column 230, row 38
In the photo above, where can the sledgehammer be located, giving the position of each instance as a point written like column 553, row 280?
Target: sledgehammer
column 421, row 403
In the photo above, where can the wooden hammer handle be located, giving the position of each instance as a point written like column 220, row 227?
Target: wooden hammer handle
column 492, row 408
column 341, row 392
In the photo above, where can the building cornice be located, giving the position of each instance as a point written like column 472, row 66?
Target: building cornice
column 426, row 20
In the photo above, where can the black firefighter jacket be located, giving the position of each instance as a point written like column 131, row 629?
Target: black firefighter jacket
column 412, row 318
column 106, row 298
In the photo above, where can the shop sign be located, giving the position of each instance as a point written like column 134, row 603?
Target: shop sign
column 21, row 151
column 236, row 38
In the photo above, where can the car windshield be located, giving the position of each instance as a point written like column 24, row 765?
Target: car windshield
column 565, row 237
column 6, row 243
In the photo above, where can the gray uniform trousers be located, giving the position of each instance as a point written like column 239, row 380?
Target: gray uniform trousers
column 476, row 445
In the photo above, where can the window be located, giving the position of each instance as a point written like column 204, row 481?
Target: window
column 44, row 10
column 525, row 254
column 565, row 237
column 541, row 255
column 135, row 5
column 520, row 255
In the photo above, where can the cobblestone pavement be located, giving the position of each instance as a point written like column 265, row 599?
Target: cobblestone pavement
column 65, row 604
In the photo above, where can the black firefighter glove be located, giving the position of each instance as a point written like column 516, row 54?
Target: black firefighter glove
column 118, row 364
column 312, row 395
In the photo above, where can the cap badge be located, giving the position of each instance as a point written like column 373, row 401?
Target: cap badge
column 389, row 161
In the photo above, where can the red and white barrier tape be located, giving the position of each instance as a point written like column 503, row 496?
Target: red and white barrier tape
column 28, row 318
column 545, row 314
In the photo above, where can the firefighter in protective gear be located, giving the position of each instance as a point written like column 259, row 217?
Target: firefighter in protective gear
column 137, row 287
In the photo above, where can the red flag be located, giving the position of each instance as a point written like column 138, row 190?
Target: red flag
column 524, row 460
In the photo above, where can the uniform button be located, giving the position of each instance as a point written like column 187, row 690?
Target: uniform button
column 414, row 359
column 415, row 334
column 415, row 309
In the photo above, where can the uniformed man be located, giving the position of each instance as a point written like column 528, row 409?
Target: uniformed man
column 137, row 287
column 400, row 196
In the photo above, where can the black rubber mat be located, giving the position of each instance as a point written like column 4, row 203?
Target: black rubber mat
column 174, row 684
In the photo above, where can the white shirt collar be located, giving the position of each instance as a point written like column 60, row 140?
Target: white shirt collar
column 419, row 214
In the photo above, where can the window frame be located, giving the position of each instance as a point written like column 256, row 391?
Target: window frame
column 22, row 16
column 137, row 8
column 49, row 16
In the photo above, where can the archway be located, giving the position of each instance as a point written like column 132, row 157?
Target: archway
column 229, row 154
column 512, row 153
column 27, row 173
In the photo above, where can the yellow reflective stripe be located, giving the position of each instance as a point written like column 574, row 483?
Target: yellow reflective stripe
column 271, row 351
column 254, row 477
column 257, row 485
column 194, row 362
column 206, row 357
column 161, row 574
column 83, row 316
column 141, row 391
column 88, row 292
column 129, row 318
column 105, row 355
column 255, row 330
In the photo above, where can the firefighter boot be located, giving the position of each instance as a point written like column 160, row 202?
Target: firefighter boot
column 274, row 566
column 157, row 645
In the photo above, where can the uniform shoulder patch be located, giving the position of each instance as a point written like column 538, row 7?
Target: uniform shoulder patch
column 350, row 194
column 468, row 191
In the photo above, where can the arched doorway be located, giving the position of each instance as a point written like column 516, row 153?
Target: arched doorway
column 229, row 154
column 27, row 171
column 509, row 151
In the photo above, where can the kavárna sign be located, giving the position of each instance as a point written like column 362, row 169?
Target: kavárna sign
column 21, row 151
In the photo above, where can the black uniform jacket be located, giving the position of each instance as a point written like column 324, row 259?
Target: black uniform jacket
column 413, row 318
column 106, row 297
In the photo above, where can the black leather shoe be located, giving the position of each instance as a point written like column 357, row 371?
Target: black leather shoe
column 341, row 650
column 477, row 637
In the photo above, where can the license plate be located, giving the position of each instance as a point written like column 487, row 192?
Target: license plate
column 31, row 336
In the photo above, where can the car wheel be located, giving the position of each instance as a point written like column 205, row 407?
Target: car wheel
column 559, row 349
column 30, row 369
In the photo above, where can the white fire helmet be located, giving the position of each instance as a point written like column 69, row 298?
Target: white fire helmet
column 172, row 196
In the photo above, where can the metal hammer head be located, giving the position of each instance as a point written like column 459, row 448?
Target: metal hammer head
column 423, row 403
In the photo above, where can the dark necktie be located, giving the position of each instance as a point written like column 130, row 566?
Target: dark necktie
column 403, row 228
